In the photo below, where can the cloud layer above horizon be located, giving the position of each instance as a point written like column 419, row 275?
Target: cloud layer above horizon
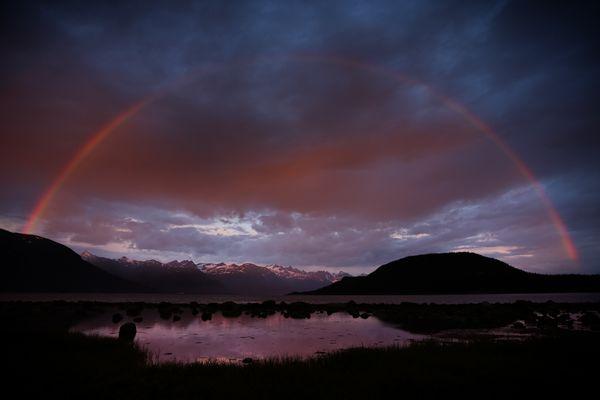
column 267, row 144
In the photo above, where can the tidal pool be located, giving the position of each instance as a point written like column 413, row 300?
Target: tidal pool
column 234, row 339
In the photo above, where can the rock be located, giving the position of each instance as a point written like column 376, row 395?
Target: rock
column 165, row 313
column 299, row 310
column 176, row 318
column 519, row 325
column 127, row 331
column 229, row 309
column 269, row 304
column 247, row 360
column 138, row 319
column 591, row 320
column 117, row 317
column 546, row 322
column 134, row 311
column 231, row 313
column 364, row 315
column 206, row 316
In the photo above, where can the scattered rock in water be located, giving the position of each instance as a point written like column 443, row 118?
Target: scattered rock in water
column 269, row 304
column 134, row 311
column 519, row 325
column 165, row 315
column 206, row 316
column 546, row 322
column 591, row 320
column 231, row 313
column 117, row 317
column 127, row 331
column 229, row 309
column 247, row 360
column 364, row 315
column 299, row 310
column 565, row 320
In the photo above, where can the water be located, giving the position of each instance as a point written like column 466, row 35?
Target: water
column 233, row 339
column 388, row 299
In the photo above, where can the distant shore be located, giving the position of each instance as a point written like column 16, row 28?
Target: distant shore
column 317, row 299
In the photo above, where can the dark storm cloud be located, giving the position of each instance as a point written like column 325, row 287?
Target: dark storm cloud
column 256, row 151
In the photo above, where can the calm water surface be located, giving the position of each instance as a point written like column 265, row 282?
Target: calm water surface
column 233, row 339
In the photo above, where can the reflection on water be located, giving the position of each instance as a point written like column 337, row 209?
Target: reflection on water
column 233, row 339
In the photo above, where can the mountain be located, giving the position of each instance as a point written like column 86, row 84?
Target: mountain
column 457, row 273
column 34, row 264
column 250, row 278
column 215, row 278
column 171, row 277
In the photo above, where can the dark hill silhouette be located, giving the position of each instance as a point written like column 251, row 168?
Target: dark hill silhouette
column 34, row 264
column 457, row 273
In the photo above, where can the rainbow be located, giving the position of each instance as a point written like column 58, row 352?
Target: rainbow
column 100, row 136
column 88, row 147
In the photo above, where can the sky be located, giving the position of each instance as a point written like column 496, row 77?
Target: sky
column 336, row 135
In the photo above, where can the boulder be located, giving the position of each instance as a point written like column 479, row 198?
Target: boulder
column 127, row 331
column 117, row 317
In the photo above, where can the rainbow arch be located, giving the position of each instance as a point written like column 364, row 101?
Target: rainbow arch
column 105, row 131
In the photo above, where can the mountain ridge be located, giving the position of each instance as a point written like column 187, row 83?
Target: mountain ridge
column 214, row 278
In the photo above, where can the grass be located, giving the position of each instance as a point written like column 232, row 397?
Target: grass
column 41, row 358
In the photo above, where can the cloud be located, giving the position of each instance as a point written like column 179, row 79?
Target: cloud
column 258, row 152
column 523, row 237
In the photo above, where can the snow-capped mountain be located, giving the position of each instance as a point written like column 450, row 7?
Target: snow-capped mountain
column 125, row 261
column 268, row 270
column 171, row 277
column 187, row 276
column 295, row 273
column 248, row 278
column 222, row 269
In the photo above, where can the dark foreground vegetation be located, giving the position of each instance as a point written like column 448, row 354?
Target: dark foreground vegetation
column 41, row 357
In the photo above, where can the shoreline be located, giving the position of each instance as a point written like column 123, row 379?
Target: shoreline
column 564, row 297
